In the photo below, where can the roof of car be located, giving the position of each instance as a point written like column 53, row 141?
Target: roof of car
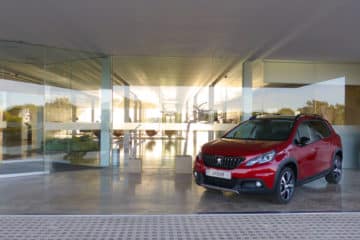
column 277, row 116
column 272, row 116
column 285, row 117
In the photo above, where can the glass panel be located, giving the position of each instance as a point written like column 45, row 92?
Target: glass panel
column 72, row 112
column 53, row 89
column 158, row 114
column 327, row 89
column 326, row 98
column 21, row 110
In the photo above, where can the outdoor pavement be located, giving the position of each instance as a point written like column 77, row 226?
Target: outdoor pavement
column 186, row 227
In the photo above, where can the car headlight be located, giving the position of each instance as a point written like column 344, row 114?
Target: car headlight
column 264, row 158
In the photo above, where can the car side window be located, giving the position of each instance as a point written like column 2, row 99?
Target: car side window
column 305, row 129
column 320, row 128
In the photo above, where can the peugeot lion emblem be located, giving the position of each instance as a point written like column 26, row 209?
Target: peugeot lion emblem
column 218, row 160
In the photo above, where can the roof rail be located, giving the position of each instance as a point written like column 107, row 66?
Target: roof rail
column 256, row 115
column 307, row 115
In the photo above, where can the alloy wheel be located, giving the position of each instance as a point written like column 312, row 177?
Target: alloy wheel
column 337, row 168
column 287, row 184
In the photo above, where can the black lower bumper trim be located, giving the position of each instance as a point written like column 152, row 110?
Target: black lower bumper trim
column 234, row 185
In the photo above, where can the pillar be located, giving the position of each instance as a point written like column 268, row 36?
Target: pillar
column 126, row 89
column 247, row 95
column 106, row 109
column 211, row 109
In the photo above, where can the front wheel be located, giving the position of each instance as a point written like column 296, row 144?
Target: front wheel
column 334, row 176
column 285, row 186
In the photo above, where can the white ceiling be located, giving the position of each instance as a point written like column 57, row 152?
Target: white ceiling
column 183, row 39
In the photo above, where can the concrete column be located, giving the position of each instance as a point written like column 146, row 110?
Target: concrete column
column 225, row 105
column 106, row 110
column 73, row 114
column 195, row 101
column 92, row 110
column 47, row 157
column 140, row 111
column 247, row 95
column 126, row 89
column 126, row 103
column 39, row 130
column 2, row 108
column 211, row 109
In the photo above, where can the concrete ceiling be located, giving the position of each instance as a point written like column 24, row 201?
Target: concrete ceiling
column 171, row 71
column 180, row 42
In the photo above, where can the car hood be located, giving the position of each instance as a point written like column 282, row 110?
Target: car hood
column 237, row 147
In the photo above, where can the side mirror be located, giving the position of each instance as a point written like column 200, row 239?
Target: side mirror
column 304, row 140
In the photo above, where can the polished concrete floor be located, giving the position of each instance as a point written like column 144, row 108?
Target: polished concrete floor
column 108, row 191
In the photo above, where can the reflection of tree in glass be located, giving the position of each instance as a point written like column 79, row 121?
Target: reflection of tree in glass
column 59, row 110
column 14, row 116
column 335, row 114
column 286, row 112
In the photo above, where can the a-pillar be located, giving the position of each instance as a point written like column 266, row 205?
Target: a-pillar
column 106, row 110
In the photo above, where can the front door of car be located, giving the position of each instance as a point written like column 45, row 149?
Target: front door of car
column 305, row 152
column 324, row 155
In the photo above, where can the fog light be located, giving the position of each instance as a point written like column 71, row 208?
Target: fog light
column 195, row 174
column 258, row 184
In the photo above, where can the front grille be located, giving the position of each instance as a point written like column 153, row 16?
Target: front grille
column 225, row 162
column 219, row 182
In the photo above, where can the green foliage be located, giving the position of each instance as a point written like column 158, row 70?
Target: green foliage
column 335, row 114
column 10, row 117
column 74, row 144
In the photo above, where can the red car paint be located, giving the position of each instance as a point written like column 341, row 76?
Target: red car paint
column 309, row 160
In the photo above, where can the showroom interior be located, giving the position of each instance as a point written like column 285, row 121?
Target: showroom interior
column 98, row 108
column 63, row 107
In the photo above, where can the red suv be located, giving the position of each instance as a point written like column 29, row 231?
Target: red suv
column 271, row 154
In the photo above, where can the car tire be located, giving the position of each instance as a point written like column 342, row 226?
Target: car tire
column 334, row 176
column 285, row 186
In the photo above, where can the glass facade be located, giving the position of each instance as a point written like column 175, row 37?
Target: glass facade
column 46, row 95
column 61, row 108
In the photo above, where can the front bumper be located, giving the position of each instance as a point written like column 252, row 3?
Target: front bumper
column 236, row 185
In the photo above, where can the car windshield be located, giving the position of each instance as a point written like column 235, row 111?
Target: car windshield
column 262, row 129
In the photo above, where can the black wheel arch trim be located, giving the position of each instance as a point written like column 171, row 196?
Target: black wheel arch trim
column 336, row 152
column 281, row 167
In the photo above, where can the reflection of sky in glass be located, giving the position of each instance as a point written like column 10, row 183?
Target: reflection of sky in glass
column 156, row 99
column 20, row 93
column 273, row 99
